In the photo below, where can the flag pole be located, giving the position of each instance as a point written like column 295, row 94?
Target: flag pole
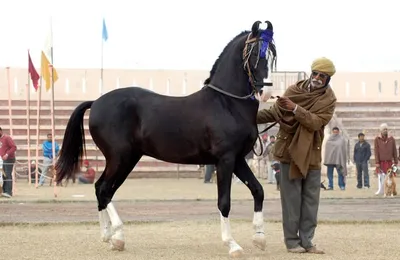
column 101, row 69
column 9, row 100
column 38, row 104
column 28, row 124
column 104, row 37
column 53, row 145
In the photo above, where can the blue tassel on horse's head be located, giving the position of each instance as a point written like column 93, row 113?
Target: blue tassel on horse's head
column 266, row 37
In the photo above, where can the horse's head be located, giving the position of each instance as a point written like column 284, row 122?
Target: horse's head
column 259, row 55
column 257, row 58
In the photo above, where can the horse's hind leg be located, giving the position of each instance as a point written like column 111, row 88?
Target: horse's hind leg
column 104, row 219
column 117, row 169
column 244, row 173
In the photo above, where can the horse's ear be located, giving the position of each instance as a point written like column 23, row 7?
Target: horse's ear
column 269, row 25
column 254, row 28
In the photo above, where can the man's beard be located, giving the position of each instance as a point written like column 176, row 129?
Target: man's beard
column 316, row 83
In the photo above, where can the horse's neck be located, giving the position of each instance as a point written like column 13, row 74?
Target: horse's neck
column 233, row 81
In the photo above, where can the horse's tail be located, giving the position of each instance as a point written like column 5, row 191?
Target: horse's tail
column 73, row 145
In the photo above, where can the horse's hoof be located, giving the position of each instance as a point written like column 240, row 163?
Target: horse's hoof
column 237, row 253
column 260, row 242
column 105, row 238
column 117, row 244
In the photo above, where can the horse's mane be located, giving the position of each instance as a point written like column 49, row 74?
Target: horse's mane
column 215, row 66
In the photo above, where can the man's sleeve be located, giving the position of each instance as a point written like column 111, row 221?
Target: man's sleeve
column 376, row 151
column 313, row 121
column 395, row 158
column 12, row 146
column 266, row 115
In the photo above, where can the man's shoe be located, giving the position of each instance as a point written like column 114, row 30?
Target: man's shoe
column 6, row 195
column 315, row 250
column 297, row 250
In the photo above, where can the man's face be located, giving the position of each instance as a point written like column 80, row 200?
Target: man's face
column 272, row 140
column 361, row 138
column 335, row 131
column 318, row 79
column 384, row 132
column 49, row 138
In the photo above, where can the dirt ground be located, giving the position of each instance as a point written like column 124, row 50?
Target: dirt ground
column 193, row 240
column 178, row 219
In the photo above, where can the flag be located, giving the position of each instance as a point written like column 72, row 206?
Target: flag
column 48, row 44
column 105, row 33
column 32, row 71
column 46, row 73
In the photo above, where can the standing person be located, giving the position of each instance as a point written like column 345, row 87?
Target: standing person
column 262, row 159
column 48, row 157
column 302, row 112
column 362, row 154
column 209, row 169
column 385, row 155
column 269, row 151
column 7, row 153
column 335, row 158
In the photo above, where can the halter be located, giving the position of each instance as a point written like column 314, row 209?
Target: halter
column 247, row 51
column 250, row 43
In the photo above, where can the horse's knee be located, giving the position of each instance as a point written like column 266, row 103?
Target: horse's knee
column 258, row 193
column 224, row 207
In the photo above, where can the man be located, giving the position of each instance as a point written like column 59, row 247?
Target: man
column 209, row 169
column 269, row 149
column 302, row 113
column 335, row 157
column 262, row 159
column 7, row 153
column 33, row 171
column 47, row 147
column 385, row 155
column 88, row 176
column 362, row 154
column 277, row 172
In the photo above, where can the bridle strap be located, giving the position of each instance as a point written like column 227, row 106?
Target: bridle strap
column 259, row 138
column 229, row 94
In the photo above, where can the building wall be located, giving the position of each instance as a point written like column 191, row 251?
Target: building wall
column 84, row 84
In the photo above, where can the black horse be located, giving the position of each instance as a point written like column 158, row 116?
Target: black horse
column 216, row 125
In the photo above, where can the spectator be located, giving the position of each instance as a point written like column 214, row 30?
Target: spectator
column 88, row 176
column 209, row 169
column 48, row 157
column 362, row 154
column 7, row 153
column 33, row 171
column 385, row 155
column 269, row 151
column 335, row 157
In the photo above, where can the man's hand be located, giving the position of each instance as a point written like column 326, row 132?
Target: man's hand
column 286, row 103
column 4, row 157
column 377, row 165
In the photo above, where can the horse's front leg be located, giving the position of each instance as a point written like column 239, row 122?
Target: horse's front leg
column 224, row 182
column 244, row 173
column 105, row 226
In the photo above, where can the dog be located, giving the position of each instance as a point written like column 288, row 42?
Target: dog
column 389, row 184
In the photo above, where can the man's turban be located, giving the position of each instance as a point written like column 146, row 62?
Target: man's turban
column 324, row 65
